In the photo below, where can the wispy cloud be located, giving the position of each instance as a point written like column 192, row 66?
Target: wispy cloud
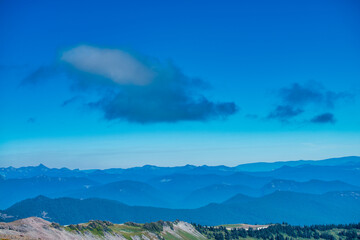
column 31, row 120
column 324, row 118
column 298, row 98
column 71, row 100
column 116, row 65
column 311, row 92
column 284, row 113
column 40, row 74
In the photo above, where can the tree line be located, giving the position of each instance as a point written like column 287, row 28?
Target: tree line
column 284, row 232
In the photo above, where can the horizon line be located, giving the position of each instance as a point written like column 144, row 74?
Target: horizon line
column 179, row 166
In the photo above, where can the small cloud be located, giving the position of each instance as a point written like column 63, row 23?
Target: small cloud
column 311, row 92
column 31, row 120
column 70, row 101
column 41, row 74
column 300, row 95
column 299, row 98
column 284, row 113
column 324, row 118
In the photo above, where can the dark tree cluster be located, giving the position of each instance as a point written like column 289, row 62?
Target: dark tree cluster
column 282, row 232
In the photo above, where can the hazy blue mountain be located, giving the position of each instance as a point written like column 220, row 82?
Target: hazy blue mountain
column 264, row 166
column 312, row 186
column 294, row 208
column 172, row 189
column 40, row 170
column 299, row 208
column 154, row 171
column 128, row 192
column 185, row 187
column 348, row 173
column 184, row 183
column 104, row 178
column 216, row 193
column 141, row 194
column 69, row 210
column 178, row 187
column 14, row 190
column 148, row 172
column 143, row 173
column 239, row 199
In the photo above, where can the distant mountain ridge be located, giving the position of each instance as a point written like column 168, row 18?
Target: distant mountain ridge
column 18, row 189
column 129, row 192
column 179, row 187
column 312, row 186
column 348, row 173
column 265, row 166
column 153, row 171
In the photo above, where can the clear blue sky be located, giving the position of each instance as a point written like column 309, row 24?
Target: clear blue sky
column 98, row 84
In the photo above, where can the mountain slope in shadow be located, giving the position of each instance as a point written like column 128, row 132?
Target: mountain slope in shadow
column 294, row 208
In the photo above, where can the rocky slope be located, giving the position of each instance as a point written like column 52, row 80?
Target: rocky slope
column 36, row 228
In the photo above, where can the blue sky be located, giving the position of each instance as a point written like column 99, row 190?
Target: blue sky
column 90, row 84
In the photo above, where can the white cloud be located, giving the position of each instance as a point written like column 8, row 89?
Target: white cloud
column 117, row 65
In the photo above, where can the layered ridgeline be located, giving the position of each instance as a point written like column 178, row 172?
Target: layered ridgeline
column 294, row 208
column 298, row 192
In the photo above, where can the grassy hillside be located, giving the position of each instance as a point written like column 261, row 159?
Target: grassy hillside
column 37, row 228
column 161, row 230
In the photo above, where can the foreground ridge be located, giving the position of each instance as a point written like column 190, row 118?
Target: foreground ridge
column 36, row 228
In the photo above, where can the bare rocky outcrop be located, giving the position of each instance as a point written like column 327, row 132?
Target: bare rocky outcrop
column 34, row 228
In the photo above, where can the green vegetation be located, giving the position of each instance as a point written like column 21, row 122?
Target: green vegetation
column 101, row 228
column 187, row 236
column 157, row 226
column 98, row 228
column 283, row 232
column 170, row 231
column 130, row 229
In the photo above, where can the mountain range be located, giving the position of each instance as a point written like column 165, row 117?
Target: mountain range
column 290, row 207
column 149, row 171
column 253, row 193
